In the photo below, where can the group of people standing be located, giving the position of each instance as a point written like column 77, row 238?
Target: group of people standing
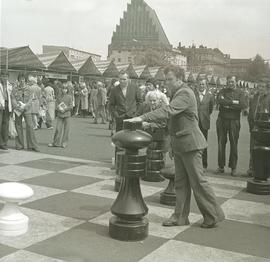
column 187, row 116
column 23, row 101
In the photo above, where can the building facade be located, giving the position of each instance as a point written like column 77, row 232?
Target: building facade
column 205, row 60
column 138, row 33
column 238, row 67
column 71, row 53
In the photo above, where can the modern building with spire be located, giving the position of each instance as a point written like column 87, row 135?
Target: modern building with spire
column 138, row 32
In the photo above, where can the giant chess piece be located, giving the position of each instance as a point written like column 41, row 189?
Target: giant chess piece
column 260, row 184
column 129, row 208
column 155, row 157
column 118, row 170
column 168, row 197
column 12, row 221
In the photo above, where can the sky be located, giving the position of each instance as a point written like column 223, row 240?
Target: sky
column 240, row 28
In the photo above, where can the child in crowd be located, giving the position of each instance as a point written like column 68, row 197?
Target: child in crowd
column 64, row 107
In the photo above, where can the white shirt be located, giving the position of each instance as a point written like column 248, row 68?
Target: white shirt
column 202, row 94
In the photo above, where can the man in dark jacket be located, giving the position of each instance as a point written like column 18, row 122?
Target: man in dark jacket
column 231, row 102
column 124, row 100
column 187, row 144
column 205, row 103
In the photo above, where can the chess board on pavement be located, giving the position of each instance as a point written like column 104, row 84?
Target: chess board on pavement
column 70, row 210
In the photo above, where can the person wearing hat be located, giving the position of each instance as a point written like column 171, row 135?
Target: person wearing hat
column 231, row 101
column 21, row 97
column 205, row 103
column 260, row 102
column 64, row 106
column 5, row 109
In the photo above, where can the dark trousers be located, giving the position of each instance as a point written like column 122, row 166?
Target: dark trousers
column 204, row 154
column 4, row 124
column 30, row 135
column 225, row 128
column 61, row 131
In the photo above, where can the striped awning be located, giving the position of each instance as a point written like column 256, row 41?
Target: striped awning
column 20, row 58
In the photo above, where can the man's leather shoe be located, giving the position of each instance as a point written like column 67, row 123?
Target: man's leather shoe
column 3, row 148
column 174, row 221
column 203, row 225
column 233, row 172
column 219, row 171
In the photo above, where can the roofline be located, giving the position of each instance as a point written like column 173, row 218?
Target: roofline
column 61, row 46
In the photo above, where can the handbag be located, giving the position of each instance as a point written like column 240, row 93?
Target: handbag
column 11, row 128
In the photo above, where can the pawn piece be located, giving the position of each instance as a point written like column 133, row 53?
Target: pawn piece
column 12, row 221
column 168, row 197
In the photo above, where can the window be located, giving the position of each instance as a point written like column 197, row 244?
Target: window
column 129, row 59
column 119, row 59
column 119, row 51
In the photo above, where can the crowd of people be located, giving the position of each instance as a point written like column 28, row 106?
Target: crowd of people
column 37, row 101
column 182, row 110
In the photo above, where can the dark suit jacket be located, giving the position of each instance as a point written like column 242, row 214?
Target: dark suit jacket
column 205, row 108
column 182, row 112
column 121, row 106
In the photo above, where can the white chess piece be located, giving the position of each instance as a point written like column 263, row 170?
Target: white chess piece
column 12, row 221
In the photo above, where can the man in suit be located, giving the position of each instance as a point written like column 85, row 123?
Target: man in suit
column 231, row 101
column 124, row 100
column 187, row 143
column 5, row 109
column 205, row 103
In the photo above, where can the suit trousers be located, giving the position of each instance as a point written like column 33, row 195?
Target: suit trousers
column 225, row 128
column 61, row 131
column 189, row 175
column 4, row 125
column 204, row 154
column 30, row 135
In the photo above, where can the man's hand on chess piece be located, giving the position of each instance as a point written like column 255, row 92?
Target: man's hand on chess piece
column 134, row 119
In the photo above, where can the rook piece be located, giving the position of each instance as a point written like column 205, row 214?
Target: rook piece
column 260, row 184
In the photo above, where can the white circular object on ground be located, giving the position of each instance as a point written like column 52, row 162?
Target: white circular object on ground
column 12, row 221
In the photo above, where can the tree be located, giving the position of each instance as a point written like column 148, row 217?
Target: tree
column 257, row 69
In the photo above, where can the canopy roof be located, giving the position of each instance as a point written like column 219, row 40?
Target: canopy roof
column 102, row 65
column 157, row 73
column 111, row 70
column 142, row 71
column 89, row 68
column 61, row 63
column 20, row 58
column 127, row 68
